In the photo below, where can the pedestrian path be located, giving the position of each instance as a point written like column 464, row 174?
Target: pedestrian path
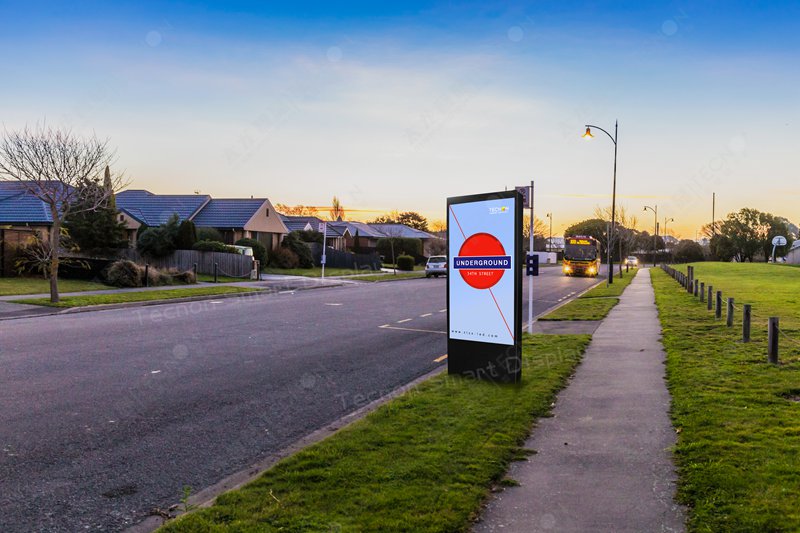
column 603, row 461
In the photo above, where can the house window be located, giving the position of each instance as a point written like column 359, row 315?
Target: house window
column 267, row 211
column 122, row 218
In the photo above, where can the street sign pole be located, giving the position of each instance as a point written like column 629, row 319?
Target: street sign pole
column 530, row 280
column 324, row 230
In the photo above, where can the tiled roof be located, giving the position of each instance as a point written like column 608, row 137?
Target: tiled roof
column 401, row 230
column 155, row 209
column 19, row 206
column 363, row 229
column 298, row 223
column 228, row 212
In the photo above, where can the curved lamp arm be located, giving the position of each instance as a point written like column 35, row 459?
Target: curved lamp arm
column 604, row 131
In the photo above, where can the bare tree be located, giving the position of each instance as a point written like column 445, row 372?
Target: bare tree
column 625, row 229
column 55, row 166
column 337, row 209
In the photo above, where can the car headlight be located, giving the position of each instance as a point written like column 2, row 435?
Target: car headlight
column 567, row 269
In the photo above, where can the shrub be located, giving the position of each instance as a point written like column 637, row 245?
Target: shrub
column 688, row 251
column 209, row 234
column 186, row 277
column 310, row 236
column 405, row 262
column 259, row 250
column 294, row 243
column 213, row 246
column 186, row 236
column 124, row 273
column 284, row 258
column 160, row 241
column 156, row 277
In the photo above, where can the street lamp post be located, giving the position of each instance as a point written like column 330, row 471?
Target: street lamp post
column 667, row 234
column 655, row 230
column 588, row 135
column 550, row 241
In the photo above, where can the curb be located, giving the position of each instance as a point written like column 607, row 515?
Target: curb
column 124, row 305
column 206, row 497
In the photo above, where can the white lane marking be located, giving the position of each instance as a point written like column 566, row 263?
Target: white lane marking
column 334, row 304
column 426, row 314
column 155, row 371
column 442, row 310
column 412, row 329
column 404, row 320
column 286, row 292
column 216, row 301
column 440, row 359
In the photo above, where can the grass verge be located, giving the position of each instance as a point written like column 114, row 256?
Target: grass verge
column 738, row 451
column 595, row 304
column 422, row 462
column 391, row 277
column 133, row 296
column 315, row 272
column 22, row 286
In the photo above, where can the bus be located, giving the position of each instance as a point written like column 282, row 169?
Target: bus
column 581, row 256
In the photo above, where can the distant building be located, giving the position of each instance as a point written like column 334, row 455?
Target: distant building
column 793, row 256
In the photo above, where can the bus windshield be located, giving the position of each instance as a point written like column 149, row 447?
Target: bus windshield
column 580, row 250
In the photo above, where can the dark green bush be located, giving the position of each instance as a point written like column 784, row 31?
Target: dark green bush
column 405, row 262
column 283, row 258
column 294, row 243
column 310, row 236
column 213, row 246
column 259, row 250
column 186, row 236
column 124, row 273
column 209, row 234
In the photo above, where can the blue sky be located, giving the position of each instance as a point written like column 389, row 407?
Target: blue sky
column 399, row 106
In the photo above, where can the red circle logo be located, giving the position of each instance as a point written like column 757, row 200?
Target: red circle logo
column 481, row 245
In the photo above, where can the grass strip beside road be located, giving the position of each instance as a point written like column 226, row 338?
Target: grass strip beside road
column 595, row 304
column 422, row 462
column 391, row 277
column 315, row 272
column 738, row 417
column 134, row 296
column 26, row 285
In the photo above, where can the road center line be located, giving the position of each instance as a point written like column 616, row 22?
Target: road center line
column 404, row 320
column 426, row 314
column 440, row 359
column 412, row 329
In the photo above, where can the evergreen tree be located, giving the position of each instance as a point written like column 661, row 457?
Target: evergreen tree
column 96, row 230
column 186, row 236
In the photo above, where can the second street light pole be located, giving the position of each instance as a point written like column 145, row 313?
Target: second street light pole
column 588, row 135
column 655, row 230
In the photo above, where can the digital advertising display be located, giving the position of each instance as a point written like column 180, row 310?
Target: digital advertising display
column 484, row 285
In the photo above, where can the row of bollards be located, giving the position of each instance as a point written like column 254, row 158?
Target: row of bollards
column 713, row 302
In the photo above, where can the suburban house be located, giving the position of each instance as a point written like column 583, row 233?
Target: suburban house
column 403, row 231
column 235, row 218
column 337, row 233
column 22, row 215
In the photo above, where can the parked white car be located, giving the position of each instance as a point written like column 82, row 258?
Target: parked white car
column 436, row 266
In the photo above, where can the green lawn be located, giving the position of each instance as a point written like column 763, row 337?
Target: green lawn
column 14, row 286
column 134, row 296
column 595, row 304
column 423, row 462
column 772, row 289
column 738, row 418
column 315, row 272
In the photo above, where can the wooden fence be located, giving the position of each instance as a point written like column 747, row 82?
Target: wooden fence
column 232, row 265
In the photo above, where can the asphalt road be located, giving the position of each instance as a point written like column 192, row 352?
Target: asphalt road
column 107, row 415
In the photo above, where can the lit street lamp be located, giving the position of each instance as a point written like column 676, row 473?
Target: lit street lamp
column 655, row 232
column 588, row 136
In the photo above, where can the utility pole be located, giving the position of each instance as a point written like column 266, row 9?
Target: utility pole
column 713, row 215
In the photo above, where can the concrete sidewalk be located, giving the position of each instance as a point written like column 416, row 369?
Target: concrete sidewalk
column 604, row 460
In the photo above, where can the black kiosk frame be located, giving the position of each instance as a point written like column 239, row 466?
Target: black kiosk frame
column 485, row 360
